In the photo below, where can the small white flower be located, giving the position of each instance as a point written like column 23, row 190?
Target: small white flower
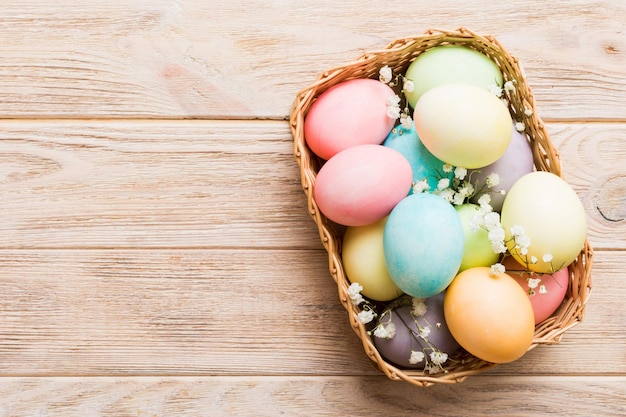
column 528, row 112
column 438, row 358
column 533, row 282
column 421, row 186
column 476, row 222
column 498, row 247
column 484, row 200
column 406, row 121
column 522, row 241
column 547, row 258
column 419, row 307
column 416, row 357
column 458, row 199
column 385, row 74
column 460, row 172
column 424, row 332
column 492, row 220
column 393, row 107
column 366, row 316
column 443, row 184
column 497, row 269
column 542, row 289
column 354, row 292
column 533, row 259
column 385, row 331
column 408, row 86
column 447, row 168
column 524, row 250
column 520, row 126
column 492, row 180
column 495, row 89
column 517, row 230
column 447, row 194
column 509, row 86
column 432, row 369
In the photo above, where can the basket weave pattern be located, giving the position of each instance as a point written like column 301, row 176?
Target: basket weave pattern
column 398, row 55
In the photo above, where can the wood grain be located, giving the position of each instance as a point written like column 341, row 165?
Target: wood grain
column 307, row 396
column 229, row 312
column 216, row 184
column 192, row 59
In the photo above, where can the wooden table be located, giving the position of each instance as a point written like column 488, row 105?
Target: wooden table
column 156, row 254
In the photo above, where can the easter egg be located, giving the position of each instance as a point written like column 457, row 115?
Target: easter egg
column 489, row 316
column 516, row 162
column 545, row 291
column 463, row 125
column 360, row 185
column 551, row 217
column 350, row 113
column 425, row 165
column 364, row 261
column 418, row 329
column 451, row 64
column 423, row 244
column 478, row 250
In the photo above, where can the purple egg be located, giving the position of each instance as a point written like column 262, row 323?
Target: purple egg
column 516, row 162
column 407, row 336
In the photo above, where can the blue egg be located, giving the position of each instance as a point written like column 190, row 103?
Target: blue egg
column 423, row 244
column 423, row 163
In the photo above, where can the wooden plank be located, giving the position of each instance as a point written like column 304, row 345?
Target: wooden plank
column 305, row 396
column 229, row 312
column 216, row 184
column 167, row 59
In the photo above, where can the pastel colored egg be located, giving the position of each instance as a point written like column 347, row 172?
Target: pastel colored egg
column 478, row 250
column 416, row 333
column 361, row 184
column 423, row 244
column 463, row 125
column 546, row 300
column 364, row 261
column 350, row 113
column 516, row 162
column 490, row 316
column 451, row 64
column 552, row 217
column 424, row 164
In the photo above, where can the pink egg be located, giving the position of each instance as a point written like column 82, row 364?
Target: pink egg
column 361, row 184
column 350, row 113
column 545, row 301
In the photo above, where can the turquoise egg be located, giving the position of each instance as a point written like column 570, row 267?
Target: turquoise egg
column 423, row 244
column 423, row 163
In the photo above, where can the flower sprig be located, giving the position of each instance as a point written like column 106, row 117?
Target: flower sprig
column 394, row 109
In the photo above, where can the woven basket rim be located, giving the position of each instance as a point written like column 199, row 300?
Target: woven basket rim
column 398, row 54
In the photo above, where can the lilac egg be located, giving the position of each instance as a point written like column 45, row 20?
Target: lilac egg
column 416, row 333
column 516, row 162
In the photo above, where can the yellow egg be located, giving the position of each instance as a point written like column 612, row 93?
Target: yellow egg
column 490, row 316
column 463, row 125
column 364, row 261
column 551, row 217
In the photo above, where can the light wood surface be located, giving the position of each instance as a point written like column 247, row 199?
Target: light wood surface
column 156, row 256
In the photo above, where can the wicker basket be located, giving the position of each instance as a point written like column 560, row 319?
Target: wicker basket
column 398, row 55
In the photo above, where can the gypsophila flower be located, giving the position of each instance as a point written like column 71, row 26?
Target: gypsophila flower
column 447, row 194
column 495, row 89
column 385, row 75
column 533, row 259
column 492, row 180
column 354, row 292
column 460, row 172
column 533, row 282
column 522, row 242
column 492, row 220
column 458, row 199
column 485, row 203
column 547, row 257
column 520, row 126
column 509, row 86
column 528, row 112
column 517, row 230
column 447, row 168
column 476, row 222
column 393, row 107
column 438, row 358
column 543, row 289
column 408, row 86
column 424, row 332
column 524, row 250
column 497, row 269
column 432, row 369
column 443, row 184
column 421, row 186
column 385, row 331
column 416, row 357
column 366, row 316
column 406, row 121
column 419, row 307
column 496, row 237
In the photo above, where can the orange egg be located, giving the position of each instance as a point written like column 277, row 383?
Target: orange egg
column 490, row 316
